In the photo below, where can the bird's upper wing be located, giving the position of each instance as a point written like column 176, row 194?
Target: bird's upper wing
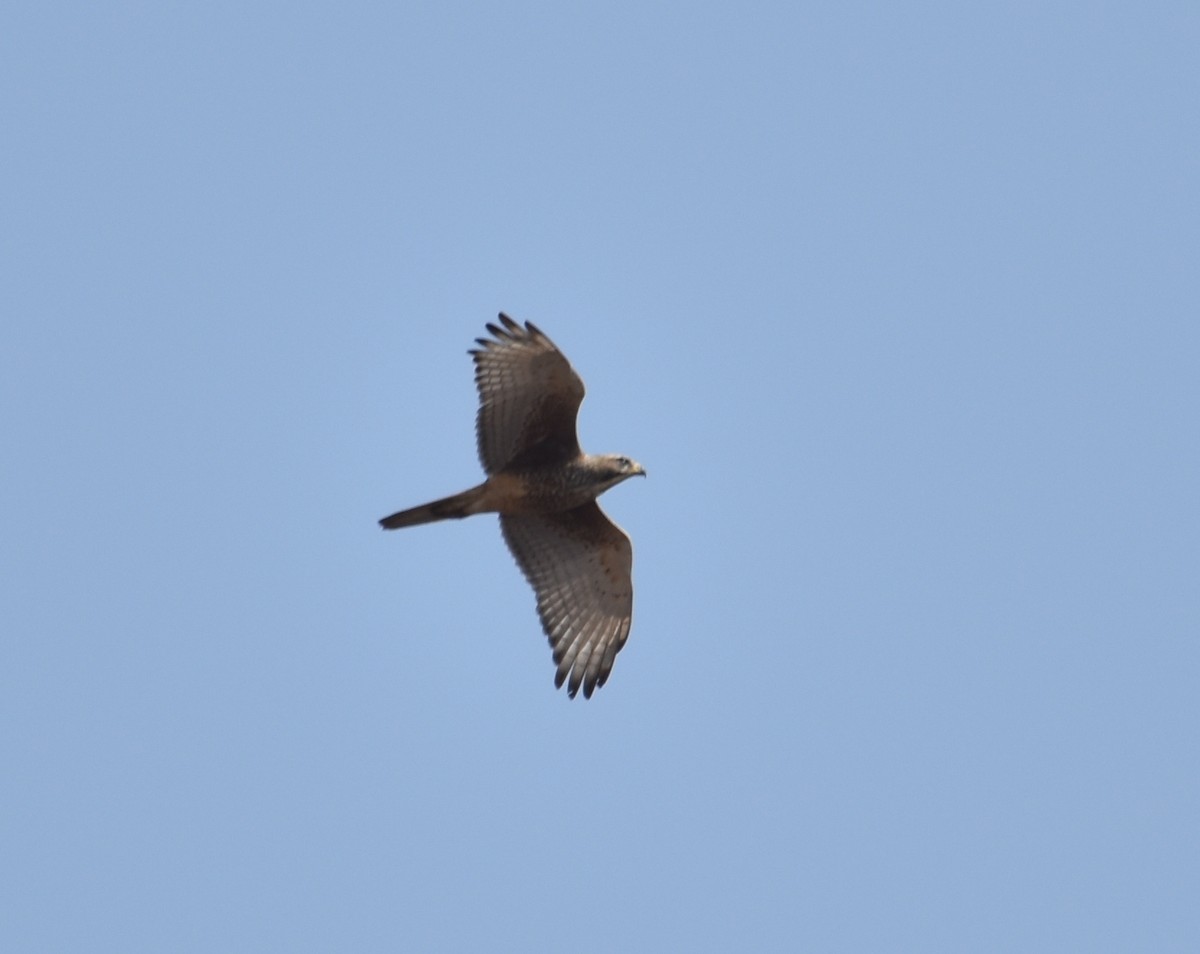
column 579, row 564
column 529, row 396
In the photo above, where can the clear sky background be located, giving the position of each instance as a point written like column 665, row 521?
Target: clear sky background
column 897, row 303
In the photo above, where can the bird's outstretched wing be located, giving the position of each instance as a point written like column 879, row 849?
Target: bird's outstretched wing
column 529, row 396
column 579, row 564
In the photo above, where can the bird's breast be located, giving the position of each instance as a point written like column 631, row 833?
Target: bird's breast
column 541, row 490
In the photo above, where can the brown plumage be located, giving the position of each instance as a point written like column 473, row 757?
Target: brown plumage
column 544, row 487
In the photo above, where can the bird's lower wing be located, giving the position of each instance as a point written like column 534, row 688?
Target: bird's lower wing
column 579, row 564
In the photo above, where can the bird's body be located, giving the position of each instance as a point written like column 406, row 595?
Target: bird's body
column 544, row 488
column 548, row 488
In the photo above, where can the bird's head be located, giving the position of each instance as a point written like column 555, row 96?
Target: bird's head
column 611, row 469
column 624, row 467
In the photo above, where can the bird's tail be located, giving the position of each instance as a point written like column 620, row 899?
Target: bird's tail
column 448, row 508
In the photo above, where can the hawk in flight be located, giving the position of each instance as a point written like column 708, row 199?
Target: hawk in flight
column 545, row 487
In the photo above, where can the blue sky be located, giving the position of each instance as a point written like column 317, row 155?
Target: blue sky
column 897, row 303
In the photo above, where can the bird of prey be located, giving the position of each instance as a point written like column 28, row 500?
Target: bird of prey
column 544, row 487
